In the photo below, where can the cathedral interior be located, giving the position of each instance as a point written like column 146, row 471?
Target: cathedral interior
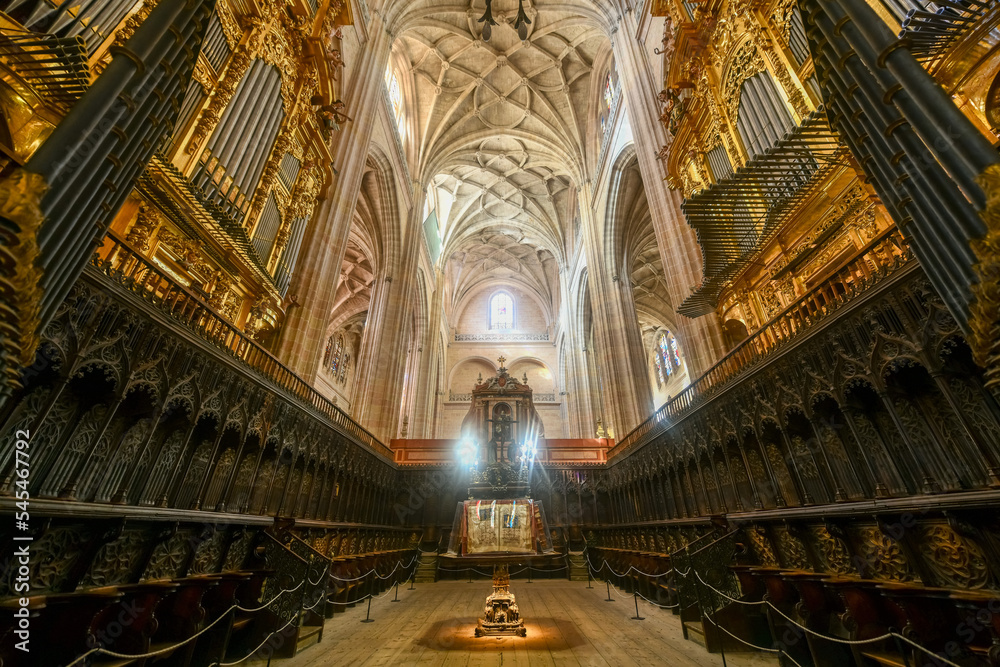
column 312, row 306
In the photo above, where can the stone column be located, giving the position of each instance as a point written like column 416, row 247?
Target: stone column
column 626, row 393
column 381, row 363
column 426, row 382
column 701, row 338
column 325, row 241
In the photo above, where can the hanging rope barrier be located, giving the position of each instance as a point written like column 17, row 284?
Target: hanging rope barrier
column 466, row 569
column 174, row 647
column 365, row 575
column 320, row 580
column 250, row 610
column 731, row 599
column 259, row 647
column 604, row 561
column 490, row 574
column 819, row 635
column 268, row 603
column 363, row 598
column 779, row 651
column 643, row 597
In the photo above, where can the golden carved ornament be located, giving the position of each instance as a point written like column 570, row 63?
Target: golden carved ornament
column 745, row 63
column 270, row 175
column 223, row 298
column 237, row 66
column 133, row 22
column 833, row 551
column 762, row 546
column 781, row 18
column 230, row 28
column 793, row 551
column 146, row 223
column 239, row 62
column 282, row 53
column 882, row 557
column 187, row 251
column 203, row 76
column 781, row 73
column 20, row 203
column 984, row 311
column 955, row 561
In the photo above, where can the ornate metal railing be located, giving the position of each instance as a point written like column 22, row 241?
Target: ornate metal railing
column 881, row 257
column 125, row 266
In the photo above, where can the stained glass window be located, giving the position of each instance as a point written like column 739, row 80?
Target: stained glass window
column 395, row 97
column 675, row 352
column 334, row 349
column 663, row 353
column 501, row 311
column 609, row 93
column 667, row 354
column 344, row 366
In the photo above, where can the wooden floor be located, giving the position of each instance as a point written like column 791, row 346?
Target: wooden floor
column 568, row 624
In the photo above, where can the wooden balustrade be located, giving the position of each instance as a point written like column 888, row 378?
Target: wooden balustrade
column 881, row 257
column 128, row 268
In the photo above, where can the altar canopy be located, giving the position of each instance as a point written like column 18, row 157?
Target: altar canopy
column 502, row 417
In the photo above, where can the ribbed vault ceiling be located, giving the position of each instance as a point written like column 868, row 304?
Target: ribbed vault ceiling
column 500, row 126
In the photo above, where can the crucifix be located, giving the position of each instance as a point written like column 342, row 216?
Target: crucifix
column 502, row 433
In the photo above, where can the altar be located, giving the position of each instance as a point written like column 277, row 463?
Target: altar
column 500, row 432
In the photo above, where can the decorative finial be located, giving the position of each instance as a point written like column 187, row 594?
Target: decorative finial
column 502, row 359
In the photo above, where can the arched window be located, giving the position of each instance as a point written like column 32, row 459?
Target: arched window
column 344, row 367
column 334, row 350
column 395, row 97
column 667, row 357
column 604, row 113
column 501, row 311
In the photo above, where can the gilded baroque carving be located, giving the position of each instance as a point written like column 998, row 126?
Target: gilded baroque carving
column 230, row 28
column 146, row 223
column 745, row 63
column 20, row 198
column 187, row 251
column 781, row 72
